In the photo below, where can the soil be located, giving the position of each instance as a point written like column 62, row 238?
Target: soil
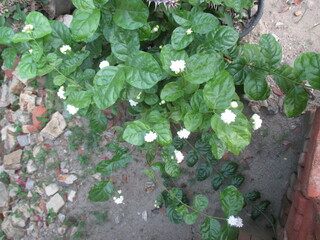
column 267, row 162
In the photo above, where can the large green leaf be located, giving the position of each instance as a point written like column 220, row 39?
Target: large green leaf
column 223, row 38
column 99, row 122
column 172, row 167
column 73, row 61
column 130, row 14
column 182, row 17
column 217, row 181
column 142, row 70
column 204, row 23
column 210, row 229
column 251, row 53
column 228, row 169
column 271, row 50
column 120, row 160
column 197, row 102
column 191, row 218
column 285, row 78
column 162, row 128
column 60, row 35
column 255, row 86
column 168, row 54
column 239, row 5
column 238, row 70
column 180, row 39
column 84, row 23
column 218, row 92
column 192, row 120
column 101, row 191
column 231, row 200
column 41, row 28
column 192, row 158
column 124, row 42
column 171, row 92
column 307, row 67
column 27, row 68
column 218, row 148
column 173, row 215
column 9, row 55
column 135, row 131
column 107, row 86
column 295, row 102
column 84, row 4
column 79, row 99
column 202, row 67
column 200, row 202
column 236, row 135
column 6, row 35
column 203, row 171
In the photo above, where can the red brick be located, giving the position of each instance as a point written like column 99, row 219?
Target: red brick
column 39, row 111
column 297, row 222
column 290, row 194
column 244, row 236
column 308, row 225
column 300, row 202
column 317, row 230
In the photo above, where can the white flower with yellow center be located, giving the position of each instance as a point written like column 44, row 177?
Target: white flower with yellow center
column 72, row 109
column 150, row 136
column 65, row 49
column 178, row 66
column 28, row 28
column 228, row 116
column 104, row 64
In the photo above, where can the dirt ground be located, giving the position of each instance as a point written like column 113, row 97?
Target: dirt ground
column 267, row 162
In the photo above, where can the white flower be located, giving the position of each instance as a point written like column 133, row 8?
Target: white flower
column 28, row 28
column 61, row 93
column 133, row 103
column 155, row 29
column 72, row 109
column 228, row 116
column 104, row 64
column 150, row 136
column 179, row 156
column 119, row 191
column 234, row 104
column 156, row 204
column 235, row 221
column 257, row 122
column 65, row 48
column 178, row 66
column 30, row 50
column 118, row 200
column 189, row 31
column 183, row 133
column 162, row 102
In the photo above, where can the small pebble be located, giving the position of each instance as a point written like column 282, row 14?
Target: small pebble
column 298, row 13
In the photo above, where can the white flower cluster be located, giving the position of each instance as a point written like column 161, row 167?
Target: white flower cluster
column 104, row 64
column 72, row 109
column 65, row 49
column 133, row 103
column 155, row 29
column 235, row 221
column 234, row 104
column 257, row 122
column 28, row 28
column 183, row 133
column 179, row 156
column 61, row 93
column 150, row 136
column 178, row 66
column 189, row 31
column 228, row 116
column 162, row 102
column 119, row 199
column 156, row 204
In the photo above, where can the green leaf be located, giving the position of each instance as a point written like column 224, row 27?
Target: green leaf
column 238, row 70
column 59, row 80
column 180, row 39
column 9, row 55
column 228, row 232
column 107, row 86
column 203, row 146
column 223, row 39
column 271, row 50
column 236, row 135
column 172, row 168
column 201, row 68
column 218, row 148
column 124, row 43
column 192, row 158
column 204, row 23
column 262, row 207
column 218, row 92
column 251, row 53
column 151, row 99
column 285, row 78
column 182, row 17
column 162, row 128
column 27, row 68
column 210, row 229
column 200, row 202
column 84, row 4
column 130, row 14
column 121, row 160
column 99, row 123
column 191, row 218
column 41, row 28
column 173, row 215
column 192, row 120
column 171, row 92
column 158, row 167
column 231, row 200
column 203, row 171
column 101, row 191
column 60, row 35
column 239, row 5
column 142, row 70
column 253, row 196
column 229, row 168
column 37, row 50
column 178, row 143
column 255, row 86
column 217, row 181
column 307, row 67
column 73, row 62
column 84, row 23
column 295, row 102
column 135, row 131
column 80, row 99
column 237, row 180
column 168, row 54
column 197, row 102
column 6, row 35
column 150, row 174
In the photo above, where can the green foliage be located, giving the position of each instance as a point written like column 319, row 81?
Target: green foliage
column 101, row 191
